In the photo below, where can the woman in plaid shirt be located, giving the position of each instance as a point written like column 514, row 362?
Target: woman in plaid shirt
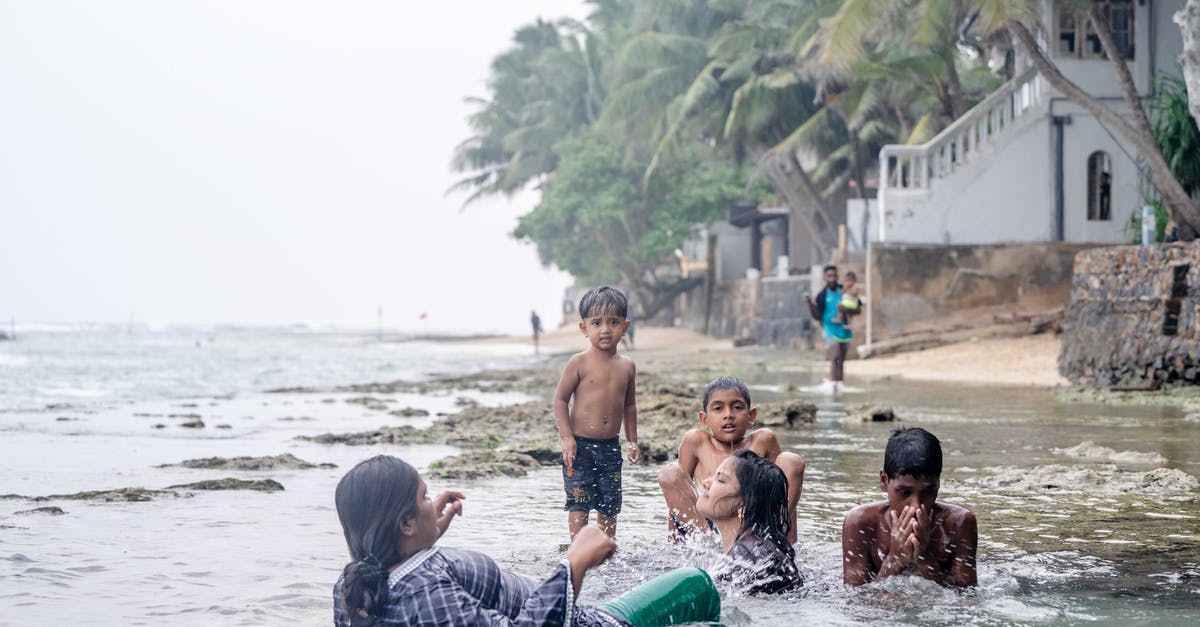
column 399, row 576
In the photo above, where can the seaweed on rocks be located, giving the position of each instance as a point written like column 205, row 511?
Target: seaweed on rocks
column 286, row 460
column 231, row 483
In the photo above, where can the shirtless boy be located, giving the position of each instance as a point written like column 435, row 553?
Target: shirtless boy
column 724, row 420
column 911, row 531
column 594, row 398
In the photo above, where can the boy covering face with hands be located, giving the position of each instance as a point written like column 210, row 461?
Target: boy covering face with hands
column 910, row 532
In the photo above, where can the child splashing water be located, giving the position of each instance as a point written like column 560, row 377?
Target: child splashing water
column 399, row 576
column 725, row 419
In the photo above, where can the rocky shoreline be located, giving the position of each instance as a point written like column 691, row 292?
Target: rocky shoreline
column 513, row 439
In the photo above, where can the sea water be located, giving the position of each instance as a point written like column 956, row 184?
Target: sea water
column 81, row 411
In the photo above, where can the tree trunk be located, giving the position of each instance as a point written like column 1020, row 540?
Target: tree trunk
column 807, row 212
column 798, row 208
column 1179, row 205
column 1188, row 19
column 814, row 194
column 958, row 106
column 1124, row 78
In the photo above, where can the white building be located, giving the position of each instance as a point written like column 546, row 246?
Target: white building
column 1026, row 165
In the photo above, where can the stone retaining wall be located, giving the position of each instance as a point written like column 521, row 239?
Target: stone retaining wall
column 1132, row 317
column 913, row 286
column 770, row 310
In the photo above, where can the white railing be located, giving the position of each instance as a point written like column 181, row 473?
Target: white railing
column 914, row 167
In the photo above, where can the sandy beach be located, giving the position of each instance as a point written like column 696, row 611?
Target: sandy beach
column 1031, row 360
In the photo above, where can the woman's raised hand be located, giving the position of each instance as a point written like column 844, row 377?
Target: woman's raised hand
column 448, row 504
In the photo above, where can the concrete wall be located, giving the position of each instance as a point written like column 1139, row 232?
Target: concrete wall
column 921, row 286
column 1004, row 195
column 1116, row 328
column 770, row 310
column 1083, row 136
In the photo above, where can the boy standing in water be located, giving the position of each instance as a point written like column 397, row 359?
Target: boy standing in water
column 911, row 531
column 725, row 417
column 594, row 398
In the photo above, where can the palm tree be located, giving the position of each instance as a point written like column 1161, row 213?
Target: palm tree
column 543, row 91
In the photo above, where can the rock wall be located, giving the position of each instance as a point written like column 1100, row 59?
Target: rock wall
column 1132, row 318
column 771, row 311
column 914, row 286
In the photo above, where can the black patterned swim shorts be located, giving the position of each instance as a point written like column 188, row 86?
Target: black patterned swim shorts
column 595, row 481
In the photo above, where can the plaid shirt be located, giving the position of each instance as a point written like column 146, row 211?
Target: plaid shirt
column 447, row 587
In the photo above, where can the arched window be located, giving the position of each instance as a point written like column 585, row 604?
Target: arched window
column 1099, row 190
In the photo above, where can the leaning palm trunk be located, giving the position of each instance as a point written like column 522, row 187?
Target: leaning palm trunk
column 1188, row 19
column 1179, row 205
column 807, row 212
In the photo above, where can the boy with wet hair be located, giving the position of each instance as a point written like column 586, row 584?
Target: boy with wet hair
column 595, row 397
column 725, row 417
column 911, row 531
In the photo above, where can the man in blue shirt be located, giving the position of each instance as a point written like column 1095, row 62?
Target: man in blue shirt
column 837, row 336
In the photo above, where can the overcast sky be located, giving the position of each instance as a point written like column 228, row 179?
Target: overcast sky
column 255, row 162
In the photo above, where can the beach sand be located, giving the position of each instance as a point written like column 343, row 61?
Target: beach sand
column 1031, row 360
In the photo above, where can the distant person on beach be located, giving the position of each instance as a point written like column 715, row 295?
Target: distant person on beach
column 747, row 501
column 399, row 576
column 849, row 303
column 536, row 322
column 837, row 337
column 726, row 416
column 628, row 339
column 594, row 398
column 910, row 532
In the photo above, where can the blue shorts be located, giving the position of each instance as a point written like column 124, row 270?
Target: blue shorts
column 595, row 482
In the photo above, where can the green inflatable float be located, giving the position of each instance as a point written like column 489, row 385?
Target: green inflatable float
column 684, row 595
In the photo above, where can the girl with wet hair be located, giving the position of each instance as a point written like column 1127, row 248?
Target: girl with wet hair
column 398, row 576
column 746, row 500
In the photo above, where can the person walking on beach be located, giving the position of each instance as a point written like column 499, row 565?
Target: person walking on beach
column 837, row 335
column 536, row 322
column 594, row 398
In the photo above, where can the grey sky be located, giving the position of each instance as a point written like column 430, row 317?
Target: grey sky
column 255, row 162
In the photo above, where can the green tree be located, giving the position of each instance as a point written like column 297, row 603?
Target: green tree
column 597, row 221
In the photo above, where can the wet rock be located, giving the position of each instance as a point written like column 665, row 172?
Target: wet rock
column 1098, row 480
column 231, row 483
column 48, row 510
column 293, row 390
column 408, row 412
column 786, row 413
column 131, row 495
column 480, row 463
column 192, row 424
column 1090, row 450
column 867, row 412
column 383, row 435
column 286, row 460
column 370, row 402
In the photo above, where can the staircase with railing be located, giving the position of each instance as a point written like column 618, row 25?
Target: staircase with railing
column 909, row 169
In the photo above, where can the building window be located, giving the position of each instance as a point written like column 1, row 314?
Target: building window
column 1099, row 182
column 1077, row 37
